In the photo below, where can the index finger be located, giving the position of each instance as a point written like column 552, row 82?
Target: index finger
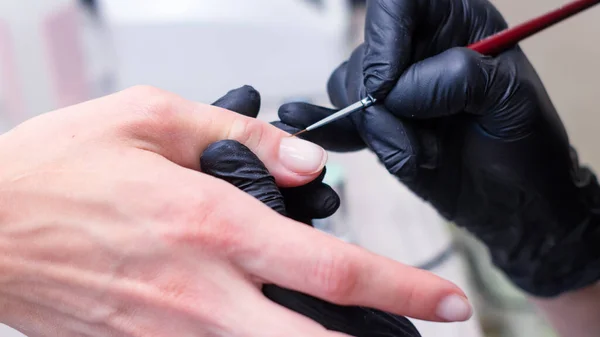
column 306, row 260
column 388, row 43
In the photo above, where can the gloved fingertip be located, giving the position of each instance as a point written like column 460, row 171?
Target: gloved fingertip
column 293, row 112
column 377, row 87
column 341, row 135
column 250, row 92
column 378, row 78
column 315, row 200
column 247, row 91
column 244, row 100
column 330, row 205
column 301, row 114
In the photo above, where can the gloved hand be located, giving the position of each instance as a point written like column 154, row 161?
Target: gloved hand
column 475, row 136
column 399, row 33
column 236, row 164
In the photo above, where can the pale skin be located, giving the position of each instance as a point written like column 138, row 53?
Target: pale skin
column 108, row 228
column 573, row 314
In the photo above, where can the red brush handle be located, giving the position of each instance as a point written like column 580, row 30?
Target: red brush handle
column 507, row 38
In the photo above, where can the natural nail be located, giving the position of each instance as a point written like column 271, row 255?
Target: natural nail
column 454, row 308
column 301, row 156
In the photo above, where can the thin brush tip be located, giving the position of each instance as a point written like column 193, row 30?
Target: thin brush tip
column 299, row 133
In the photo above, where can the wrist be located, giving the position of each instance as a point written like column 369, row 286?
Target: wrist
column 573, row 314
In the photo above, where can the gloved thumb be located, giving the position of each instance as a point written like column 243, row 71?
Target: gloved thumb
column 244, row 100
column 463, row 81
column 455, row 81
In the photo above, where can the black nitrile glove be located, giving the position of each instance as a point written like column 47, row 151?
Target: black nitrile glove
column 399, row 33
column 475, row 136
column 236, row 164
column 315, row 200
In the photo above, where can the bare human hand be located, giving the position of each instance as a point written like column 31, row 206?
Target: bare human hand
column 107, row 228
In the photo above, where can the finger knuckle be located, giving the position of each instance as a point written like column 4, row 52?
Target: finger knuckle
column 462, row 66
column 201, row 221
column 158, row 107
column 141, row 91
column 151, row 117
column 198, row 298
column 248, row 131
column 336, row 275
column 410, row 300
column 151, row 106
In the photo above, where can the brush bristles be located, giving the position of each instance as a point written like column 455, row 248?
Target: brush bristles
column 299, row 133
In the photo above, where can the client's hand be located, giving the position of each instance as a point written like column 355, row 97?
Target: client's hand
column 107, row 228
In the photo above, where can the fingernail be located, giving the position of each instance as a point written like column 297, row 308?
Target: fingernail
column 454, row 308
column 301, row 156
